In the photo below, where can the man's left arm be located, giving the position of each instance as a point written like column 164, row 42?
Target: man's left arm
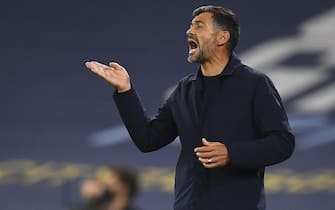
column 275, row 143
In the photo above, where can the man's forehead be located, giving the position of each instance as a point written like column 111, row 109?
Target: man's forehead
column 202, row 17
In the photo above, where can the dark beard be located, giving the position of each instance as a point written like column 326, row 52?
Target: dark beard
column 200, row 59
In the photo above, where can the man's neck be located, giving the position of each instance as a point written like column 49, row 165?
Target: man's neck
column 215, row 65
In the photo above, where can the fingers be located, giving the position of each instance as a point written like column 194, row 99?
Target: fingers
column 97, row 67
column 95, row 64
column 205, row 142
column 207, row 154
column 212, row 162
column 115, row 65
column 203, row 149
column 209, row 143
column 212, row 154
column 103, row 70
column 217, row 161
column 114, row 74
column 208, row 146
column 208, row 161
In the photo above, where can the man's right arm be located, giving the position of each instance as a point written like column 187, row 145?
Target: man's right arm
column 148, row 134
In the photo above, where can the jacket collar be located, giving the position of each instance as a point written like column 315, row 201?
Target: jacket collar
column 229, row 69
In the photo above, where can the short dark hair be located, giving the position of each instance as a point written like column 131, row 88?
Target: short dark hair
column 128, row 177
column 225, row 19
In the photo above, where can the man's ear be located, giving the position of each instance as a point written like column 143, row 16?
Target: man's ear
column 223, row 37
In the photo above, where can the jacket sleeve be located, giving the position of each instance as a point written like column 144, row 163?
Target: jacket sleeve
column 275, row 142
column 147, row 134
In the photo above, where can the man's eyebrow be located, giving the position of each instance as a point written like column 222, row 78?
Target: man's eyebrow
column 197, row 22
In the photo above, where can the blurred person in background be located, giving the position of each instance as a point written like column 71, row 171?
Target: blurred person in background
column 115, row 189
column 229, row 118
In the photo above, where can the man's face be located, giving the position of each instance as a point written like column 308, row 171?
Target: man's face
column 114, row 184
column 201, row 38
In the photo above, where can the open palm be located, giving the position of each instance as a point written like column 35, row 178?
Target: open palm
column 114, row 74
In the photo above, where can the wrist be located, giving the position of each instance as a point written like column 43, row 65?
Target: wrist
column 124, row 89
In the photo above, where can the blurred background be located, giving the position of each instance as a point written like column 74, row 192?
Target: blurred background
column 59, row 124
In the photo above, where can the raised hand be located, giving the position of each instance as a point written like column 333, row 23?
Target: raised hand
column 212, row 154
column 114, row 74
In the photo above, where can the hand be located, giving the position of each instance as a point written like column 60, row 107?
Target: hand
column 212, row 154
column 114, row 74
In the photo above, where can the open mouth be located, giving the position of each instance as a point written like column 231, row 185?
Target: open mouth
column 193, row 45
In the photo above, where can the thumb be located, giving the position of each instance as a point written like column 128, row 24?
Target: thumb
column 205, row 142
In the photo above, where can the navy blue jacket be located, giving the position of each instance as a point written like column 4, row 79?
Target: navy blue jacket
column 246, row 114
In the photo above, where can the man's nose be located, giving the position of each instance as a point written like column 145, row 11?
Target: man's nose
column 189, row 32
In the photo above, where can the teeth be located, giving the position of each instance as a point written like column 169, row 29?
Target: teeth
column 192, row 44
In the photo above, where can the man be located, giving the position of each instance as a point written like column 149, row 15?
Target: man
column 114, row 189
column 229, row 117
